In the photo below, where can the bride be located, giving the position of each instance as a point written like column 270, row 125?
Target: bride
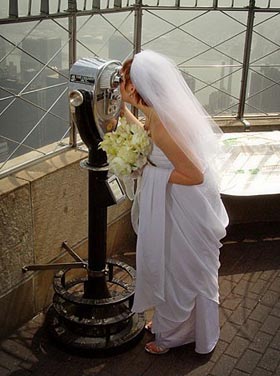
column 178, row 215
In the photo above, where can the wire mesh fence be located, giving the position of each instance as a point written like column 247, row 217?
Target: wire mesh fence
column 227, row 50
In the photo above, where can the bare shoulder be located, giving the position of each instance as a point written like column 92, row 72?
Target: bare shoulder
column 158, row 132
column 171, row 149
column 162, row 138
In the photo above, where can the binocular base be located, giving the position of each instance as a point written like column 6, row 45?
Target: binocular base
column 85, row 324
column 75, row 341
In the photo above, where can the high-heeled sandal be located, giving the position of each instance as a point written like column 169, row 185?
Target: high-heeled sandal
column 148, row 326
column 153, row 348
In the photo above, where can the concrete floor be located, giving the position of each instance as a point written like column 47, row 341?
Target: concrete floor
column 249, row 316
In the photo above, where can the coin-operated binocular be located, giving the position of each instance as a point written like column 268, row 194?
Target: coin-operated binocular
column 95, row 102
column 95, row 83
column 92, row 314
column 95, row 95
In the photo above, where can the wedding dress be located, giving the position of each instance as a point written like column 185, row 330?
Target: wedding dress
column 179, row 229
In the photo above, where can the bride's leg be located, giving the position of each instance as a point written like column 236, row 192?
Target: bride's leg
column 148, row 326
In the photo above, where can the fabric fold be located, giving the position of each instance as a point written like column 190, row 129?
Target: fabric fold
column 150, row 275
column 177, row 256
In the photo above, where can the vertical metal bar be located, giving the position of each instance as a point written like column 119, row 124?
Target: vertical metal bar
column 45, row 8
column 117, row 3
column 137, row 27
column 13, row 8
column 29, row 8
column 58, row 6
column 246, row 58
column 72, row 26
column 95, row 4
column 138, row 15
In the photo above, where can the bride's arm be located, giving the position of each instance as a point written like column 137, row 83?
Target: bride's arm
column 130, row 118
column 185, row 171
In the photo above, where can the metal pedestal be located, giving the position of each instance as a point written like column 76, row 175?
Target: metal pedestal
column 92, row 315
column 95, row 326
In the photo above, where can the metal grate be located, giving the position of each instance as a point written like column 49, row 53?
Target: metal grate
column 233, row 68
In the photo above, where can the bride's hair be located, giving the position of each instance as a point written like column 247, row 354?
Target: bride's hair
column 126, row 72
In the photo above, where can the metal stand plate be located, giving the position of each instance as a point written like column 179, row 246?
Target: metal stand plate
column 91, row 326
column 94, row 346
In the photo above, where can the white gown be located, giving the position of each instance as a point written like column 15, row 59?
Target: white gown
column 177, row 258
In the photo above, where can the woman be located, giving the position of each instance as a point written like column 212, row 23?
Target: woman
column 181, row 216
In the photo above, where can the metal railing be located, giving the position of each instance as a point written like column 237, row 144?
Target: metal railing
column 235, row 76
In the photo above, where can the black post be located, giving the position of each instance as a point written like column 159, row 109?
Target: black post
column 98, row 200
column 95, row 286
column 88, row 313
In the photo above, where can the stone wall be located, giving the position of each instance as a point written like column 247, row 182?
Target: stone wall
column 41, row 207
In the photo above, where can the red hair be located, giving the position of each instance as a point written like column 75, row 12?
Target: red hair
column 126, row 72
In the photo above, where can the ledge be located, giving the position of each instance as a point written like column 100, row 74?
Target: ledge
column 43, row 205
column 256, row 124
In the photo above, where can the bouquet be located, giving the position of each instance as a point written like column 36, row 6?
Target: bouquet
column 127, row 149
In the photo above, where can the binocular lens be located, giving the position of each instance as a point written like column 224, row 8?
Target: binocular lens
column 76, row 98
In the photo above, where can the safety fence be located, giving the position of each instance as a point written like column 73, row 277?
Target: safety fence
column 227, row 50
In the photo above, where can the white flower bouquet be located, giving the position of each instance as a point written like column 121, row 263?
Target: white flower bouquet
column 127, row 149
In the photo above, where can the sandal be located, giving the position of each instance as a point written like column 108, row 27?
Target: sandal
column 153, row 348
column 148, row 326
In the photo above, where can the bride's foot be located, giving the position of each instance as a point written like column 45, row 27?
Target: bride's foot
column 153, row 348
column 148, row 326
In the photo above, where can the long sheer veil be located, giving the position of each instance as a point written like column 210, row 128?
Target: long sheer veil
column 162, row 86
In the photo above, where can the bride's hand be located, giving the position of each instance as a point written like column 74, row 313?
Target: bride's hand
column 123, row 109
